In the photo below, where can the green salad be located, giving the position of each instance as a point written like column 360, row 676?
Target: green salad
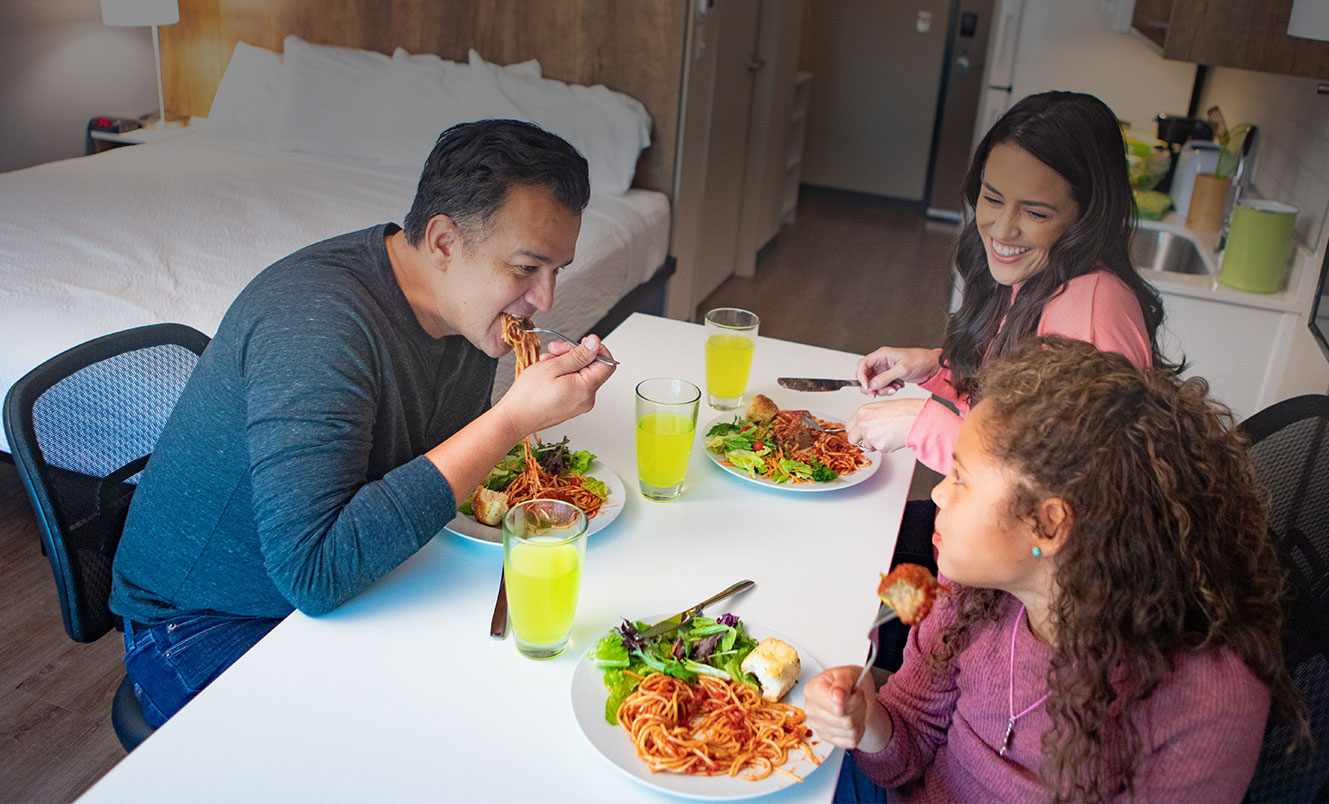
column 703, row 646
column 745, row 446
column 554, row 457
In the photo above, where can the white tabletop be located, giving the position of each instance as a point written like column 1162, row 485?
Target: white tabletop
column 401, row 695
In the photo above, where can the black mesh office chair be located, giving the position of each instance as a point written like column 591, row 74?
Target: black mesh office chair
column 1290, row 445
column 81, row 427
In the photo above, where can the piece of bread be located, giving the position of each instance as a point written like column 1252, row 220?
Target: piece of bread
column 489, row 506
column 776, row 666
column 761, row 410
column 909, row 589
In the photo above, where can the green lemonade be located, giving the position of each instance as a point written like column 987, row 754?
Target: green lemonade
column 728, row 361
column 664, row 441
column 542, row 581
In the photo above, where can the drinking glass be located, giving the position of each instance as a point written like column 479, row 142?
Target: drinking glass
column 731, row 335
column 544, row 545
column 666, row 423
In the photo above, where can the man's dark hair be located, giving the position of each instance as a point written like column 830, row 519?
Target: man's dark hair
column 468, row 174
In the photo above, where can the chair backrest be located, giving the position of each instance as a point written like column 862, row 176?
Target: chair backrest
column 1290, row 447
column 81, row 427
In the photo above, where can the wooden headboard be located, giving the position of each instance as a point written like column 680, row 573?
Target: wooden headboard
column 634, row 47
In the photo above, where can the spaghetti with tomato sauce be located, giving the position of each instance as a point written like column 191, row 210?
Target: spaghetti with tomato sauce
column 712, row 727
column 534, row 482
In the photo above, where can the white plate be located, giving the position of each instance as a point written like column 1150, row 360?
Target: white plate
column 841, row 482
column 614, row 744
column 468, row 528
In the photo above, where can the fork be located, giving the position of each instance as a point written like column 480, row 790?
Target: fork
column 885, row 613
column 563, row 337
column 811, row 423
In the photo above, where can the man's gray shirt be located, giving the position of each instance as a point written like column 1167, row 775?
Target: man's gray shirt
column 291, row 473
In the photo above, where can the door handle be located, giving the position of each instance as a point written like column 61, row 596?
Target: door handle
column 755, row 63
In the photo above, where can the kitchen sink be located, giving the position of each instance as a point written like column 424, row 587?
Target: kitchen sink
column 1165, row 252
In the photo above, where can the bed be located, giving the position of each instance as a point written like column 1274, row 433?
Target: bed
column 172, row 231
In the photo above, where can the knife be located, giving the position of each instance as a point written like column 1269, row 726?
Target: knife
column 809, row 384
column 686, row 615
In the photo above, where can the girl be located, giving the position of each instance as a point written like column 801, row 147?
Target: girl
column 1111, row 623
column 1047, row 252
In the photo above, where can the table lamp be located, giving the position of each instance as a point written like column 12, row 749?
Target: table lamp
column 144, row 13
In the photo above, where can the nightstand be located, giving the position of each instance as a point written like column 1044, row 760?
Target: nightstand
column 105, row 140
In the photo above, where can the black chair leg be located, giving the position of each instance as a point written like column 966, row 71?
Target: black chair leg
column 131, row 727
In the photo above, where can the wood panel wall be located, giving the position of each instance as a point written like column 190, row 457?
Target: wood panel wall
column 632, row 46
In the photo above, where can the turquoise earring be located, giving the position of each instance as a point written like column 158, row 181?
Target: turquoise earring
column 1037, row 553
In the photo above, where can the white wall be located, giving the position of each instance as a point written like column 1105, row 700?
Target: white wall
column 1068, row 44
column 59, row 66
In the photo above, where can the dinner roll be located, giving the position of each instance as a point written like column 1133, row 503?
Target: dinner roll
column 776, row 666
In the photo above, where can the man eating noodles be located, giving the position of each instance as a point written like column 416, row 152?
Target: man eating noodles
column 342, row 409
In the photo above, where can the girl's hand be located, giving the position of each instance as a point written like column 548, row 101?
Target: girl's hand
column 886, row 370
column 849, row 718
column 883, row 425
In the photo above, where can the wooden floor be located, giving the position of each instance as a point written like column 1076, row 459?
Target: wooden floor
column 853, row 273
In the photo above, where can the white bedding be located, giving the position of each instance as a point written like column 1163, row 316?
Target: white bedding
column 173, row 232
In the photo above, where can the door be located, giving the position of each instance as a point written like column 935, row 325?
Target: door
column 878, row 75
column 727, row 139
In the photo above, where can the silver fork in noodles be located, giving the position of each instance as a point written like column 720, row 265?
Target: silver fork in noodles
column 563, row 337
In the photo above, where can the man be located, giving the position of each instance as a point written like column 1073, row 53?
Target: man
column 342, row 410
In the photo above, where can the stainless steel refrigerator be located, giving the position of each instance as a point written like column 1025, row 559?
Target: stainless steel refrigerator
column 962, row 88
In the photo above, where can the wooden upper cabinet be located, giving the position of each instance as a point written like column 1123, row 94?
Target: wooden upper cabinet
column 1246, row 34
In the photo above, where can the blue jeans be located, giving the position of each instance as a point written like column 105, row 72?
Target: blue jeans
column 171, row 662
column 854, row 787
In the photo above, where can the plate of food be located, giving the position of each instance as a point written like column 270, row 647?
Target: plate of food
column 535, row 469
column 791, row 450
column 718, row 664
column 572, row 475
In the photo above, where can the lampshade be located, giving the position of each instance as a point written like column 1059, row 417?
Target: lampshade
column 140, row 13
column 1309, row 19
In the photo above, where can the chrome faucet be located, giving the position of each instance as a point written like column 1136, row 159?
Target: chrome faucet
column 1240, row 179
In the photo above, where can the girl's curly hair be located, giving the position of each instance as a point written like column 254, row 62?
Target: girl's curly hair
column 1168, row 552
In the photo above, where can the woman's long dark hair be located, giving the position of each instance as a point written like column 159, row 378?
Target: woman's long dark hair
column 1078, row 136
column 1169, row 551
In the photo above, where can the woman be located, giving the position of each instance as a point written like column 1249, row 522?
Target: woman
column 1047, row 252
column 1109, row 622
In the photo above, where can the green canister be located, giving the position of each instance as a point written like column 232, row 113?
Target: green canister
column 1257, row 245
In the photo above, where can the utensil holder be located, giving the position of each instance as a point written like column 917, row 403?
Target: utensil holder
column 1257, row 246
column 1208, row 200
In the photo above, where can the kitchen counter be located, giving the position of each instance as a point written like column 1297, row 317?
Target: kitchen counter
column 1238, row 341
column 1206, row 286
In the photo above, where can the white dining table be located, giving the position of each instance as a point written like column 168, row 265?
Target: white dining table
column 401, row 695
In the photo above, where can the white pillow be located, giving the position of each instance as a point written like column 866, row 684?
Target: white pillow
column 609, row 128
column 246, row 104
column 335, row 100
column 531, row 68
column 430, row 95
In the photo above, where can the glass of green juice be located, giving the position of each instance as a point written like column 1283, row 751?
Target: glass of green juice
column 666, row 424
column 731, row 335
column 544, row 546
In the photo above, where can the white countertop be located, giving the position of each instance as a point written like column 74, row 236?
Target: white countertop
column 1207, row 286
column 400, row 695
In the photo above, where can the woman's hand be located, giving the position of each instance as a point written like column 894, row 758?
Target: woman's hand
column 883, row 425
column 558, row 387
column 886, row 370
column 846, row 716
